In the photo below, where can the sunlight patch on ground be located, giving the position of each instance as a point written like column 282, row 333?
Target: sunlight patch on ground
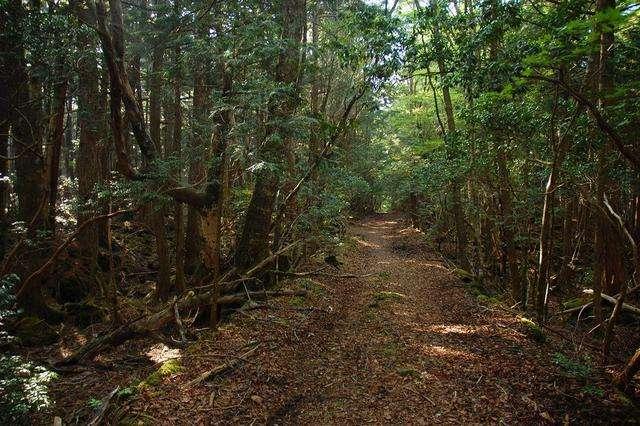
column 366, row 243
column 443, row 351
column 454, row 329
column 161, row 353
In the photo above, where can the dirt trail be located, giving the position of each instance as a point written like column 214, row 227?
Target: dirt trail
column 406, row 345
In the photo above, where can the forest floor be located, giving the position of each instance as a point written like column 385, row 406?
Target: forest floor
column 407, row 343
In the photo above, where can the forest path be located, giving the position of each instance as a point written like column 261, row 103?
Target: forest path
column 405, row 345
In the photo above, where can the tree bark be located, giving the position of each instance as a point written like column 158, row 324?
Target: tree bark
column 88, row 169
column 54, row 148
column 26, row 124
column 253, row 243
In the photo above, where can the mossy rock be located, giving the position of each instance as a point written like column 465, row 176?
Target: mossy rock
column 533, row 330
column 168, row 368
column 33, row 331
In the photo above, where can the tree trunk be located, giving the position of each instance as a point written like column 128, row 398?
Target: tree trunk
column 602, row 273
column 253, row 243
column 4, row 135
column 157, row 214
column 176, row 148
column 506, row 228
column 199, row 138
column 26, row 125
column 54, row 148
column 88, row 169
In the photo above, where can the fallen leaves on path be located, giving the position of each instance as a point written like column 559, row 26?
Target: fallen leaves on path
column 405, row 345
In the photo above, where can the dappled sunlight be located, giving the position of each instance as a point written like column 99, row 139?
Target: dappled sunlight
column 367, row 244
column 454, row 329
column 446, row 352
column 160, row 353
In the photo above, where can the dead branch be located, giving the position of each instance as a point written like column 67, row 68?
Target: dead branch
column 104, row 404
column 224, row 367
column 145, row 325
column 610, row 299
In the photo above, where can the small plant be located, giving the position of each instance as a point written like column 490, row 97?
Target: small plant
column 593, row 390
column 94, row 403
column 571, row 367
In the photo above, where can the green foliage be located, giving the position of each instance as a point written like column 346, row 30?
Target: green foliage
column 23, row 388
column 7, row 305
column 23, row 384
column 571, row 367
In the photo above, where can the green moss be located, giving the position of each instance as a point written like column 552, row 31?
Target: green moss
column 169, row 367
column 127, row 392
column 384, row 275
column 573, row 303
column 388, row 295
column 408, row 372
column 463, row 275
column 296, row 301
column 533, row 330
column 390, row 349
column 489, row 300
column 312, row 286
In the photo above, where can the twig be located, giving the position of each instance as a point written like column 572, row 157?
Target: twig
column 183, row 334
column 224, row 367
column 104, row 404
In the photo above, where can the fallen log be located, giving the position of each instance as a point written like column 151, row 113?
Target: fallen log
column 610, row 299
column 155, row 321
column 625, row 306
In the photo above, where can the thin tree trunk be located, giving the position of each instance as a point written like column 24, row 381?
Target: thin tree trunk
column 199, row 137
column 54, row 148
